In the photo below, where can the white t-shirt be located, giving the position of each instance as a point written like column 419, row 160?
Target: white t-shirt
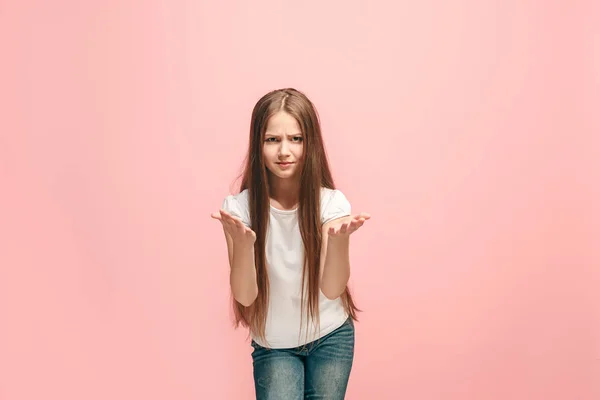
column 284, row 255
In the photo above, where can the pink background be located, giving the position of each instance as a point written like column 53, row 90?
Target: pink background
column 469, row 130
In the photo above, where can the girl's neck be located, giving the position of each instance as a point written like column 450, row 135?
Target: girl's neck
column 285, row 192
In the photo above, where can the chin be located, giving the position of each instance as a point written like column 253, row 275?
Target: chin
column 283, row 174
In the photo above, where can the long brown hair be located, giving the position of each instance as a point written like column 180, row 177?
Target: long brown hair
column 315, row 175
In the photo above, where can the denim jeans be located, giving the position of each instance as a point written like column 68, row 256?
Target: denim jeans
column 318, row 370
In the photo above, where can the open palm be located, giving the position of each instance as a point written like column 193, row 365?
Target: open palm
column 234, row 226
column 347, row 227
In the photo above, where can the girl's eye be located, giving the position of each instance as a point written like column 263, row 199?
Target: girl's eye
column 295, row 139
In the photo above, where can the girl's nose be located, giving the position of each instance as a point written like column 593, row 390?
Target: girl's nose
column 284, row 150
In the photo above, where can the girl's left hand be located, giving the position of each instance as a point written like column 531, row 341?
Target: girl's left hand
column 346, row 228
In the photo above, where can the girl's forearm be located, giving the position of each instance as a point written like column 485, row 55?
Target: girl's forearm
column 336, row 270
column 242, row 277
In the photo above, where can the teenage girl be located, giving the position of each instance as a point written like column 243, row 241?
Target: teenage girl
column 287, row 234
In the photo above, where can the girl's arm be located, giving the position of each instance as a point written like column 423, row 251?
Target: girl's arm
column 335, row 254
column 242, row 276
column 240, row 250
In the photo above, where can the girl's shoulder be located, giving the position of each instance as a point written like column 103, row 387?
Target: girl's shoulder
column 332, row 195
column 241, row 197
column 327, row 193
column 237, row 205
column 334, row 204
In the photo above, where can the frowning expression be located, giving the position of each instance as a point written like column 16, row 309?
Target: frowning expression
column 283, row 148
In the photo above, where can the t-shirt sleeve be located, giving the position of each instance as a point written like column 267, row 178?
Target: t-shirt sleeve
column 235, row 207
column 335, row 206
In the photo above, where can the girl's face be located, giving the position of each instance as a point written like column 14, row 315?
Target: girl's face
column 283, row 147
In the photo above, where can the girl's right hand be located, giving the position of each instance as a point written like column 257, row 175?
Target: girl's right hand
column 240, row 233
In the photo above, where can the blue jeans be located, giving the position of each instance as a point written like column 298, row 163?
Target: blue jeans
column 318, row 370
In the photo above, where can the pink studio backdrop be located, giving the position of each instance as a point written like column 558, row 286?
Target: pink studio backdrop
column 469, row 130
